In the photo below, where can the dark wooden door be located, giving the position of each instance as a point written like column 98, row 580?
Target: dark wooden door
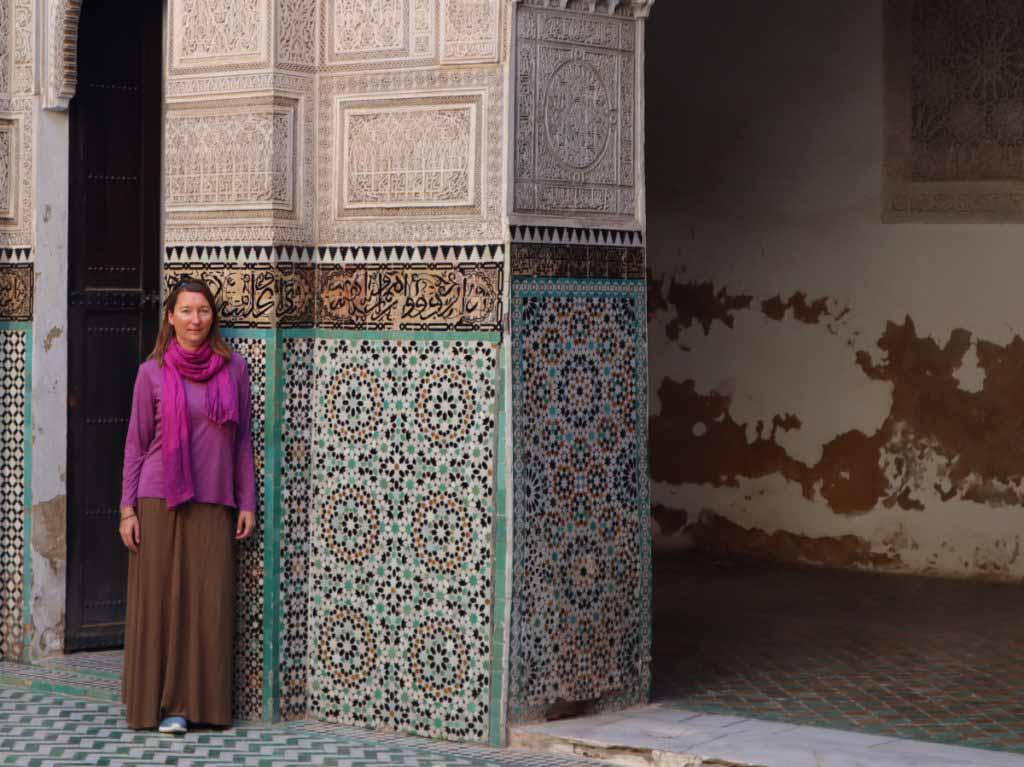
column 114, row 263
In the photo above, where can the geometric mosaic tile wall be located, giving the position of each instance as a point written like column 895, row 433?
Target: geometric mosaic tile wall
column 581, row 562
column 403, row 473
column 249, row 568
column 14, row 350
column 296, row 449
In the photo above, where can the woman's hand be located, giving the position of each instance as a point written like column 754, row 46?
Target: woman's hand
column 245, row 525
column 131, row 533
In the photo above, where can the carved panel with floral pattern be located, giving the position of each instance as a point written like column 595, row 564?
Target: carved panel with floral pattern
column 212, row 35
column 6, row 49
column 17, row 174
column 296, row 34
column 408, row 156
column 24, row 47
column 364, row 34
column 240, row 158
column 469, row 30
column 954, row 111
column 239, row 169
column 384, row 175
column 575, row 123
column 8, row 169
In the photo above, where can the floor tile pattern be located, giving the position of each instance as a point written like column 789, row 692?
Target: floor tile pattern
column 47, row 729
column 581, row 578
column 248, row 693
column 910, row 657
column 403, row 471
column 12, row 490
column 96, row 662
column 295, row 511
column 49, row 677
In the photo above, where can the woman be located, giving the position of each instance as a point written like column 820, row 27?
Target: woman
column 188, row 464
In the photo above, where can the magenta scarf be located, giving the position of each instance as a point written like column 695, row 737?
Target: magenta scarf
column 221, row 408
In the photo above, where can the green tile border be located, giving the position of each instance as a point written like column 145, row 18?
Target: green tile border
column 500, row 565
column 26, row 555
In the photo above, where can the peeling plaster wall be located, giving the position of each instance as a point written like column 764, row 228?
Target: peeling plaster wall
column 825, row 388
column 49, row 394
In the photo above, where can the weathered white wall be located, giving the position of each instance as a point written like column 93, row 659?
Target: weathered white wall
column 765, row 148
column 49, row 390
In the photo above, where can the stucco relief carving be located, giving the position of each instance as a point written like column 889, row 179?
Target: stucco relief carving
column 376, row 34
column 239, row 169
column 241, row 160
column 469, row 30
column 17, row 173
column 637, row 9
column 60, row 51
column 406, row 186
column 5, row 48
column 211, row 35
column 408, row 156
column 296, row 34
column 360, row 34
column 575, row 119
column 24, row 47
column 8, row 169
column 954, row 112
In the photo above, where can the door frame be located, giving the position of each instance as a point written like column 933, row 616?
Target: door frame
column 46, row 551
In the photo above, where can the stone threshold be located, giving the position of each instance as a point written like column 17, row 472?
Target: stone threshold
column 662, row 736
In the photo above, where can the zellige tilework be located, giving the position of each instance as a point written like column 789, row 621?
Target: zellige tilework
column 248, row 693
column 295, row 511
column 581, row 596
column 39, row 728
column 13, row 467
column 403, row 474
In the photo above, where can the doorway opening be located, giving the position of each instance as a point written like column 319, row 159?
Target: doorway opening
column 114, row 274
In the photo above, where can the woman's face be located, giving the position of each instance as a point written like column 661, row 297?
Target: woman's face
column 191, row 318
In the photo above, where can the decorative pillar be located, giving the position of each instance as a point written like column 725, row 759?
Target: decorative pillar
column 18, row 115
column 581, row 596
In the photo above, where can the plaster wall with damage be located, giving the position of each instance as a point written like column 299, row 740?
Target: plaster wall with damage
column 826, row 388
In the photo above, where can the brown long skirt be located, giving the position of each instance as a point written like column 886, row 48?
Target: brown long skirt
column 179, row 630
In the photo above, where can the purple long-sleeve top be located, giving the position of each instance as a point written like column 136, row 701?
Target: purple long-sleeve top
column 222, row 463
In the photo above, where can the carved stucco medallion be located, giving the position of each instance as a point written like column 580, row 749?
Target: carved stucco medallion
column 578, row 114
column 575, row 119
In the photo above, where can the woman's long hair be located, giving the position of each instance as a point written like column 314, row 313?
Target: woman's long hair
column 190, row 285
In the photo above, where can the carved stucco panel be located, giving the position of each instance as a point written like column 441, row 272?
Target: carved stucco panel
column 435, row 192
column 17, row 173
column 219, row 35
column 362, row 34
column 239, row 168
column 470, row 30
column 423, row 156
column 296, row 34
column 60, row 49
column 6, row 48
column 24, row 47
column 575, row 119
column 234, row 160
column 8, row 169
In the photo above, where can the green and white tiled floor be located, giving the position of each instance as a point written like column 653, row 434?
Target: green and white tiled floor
column 45, row 720
column 926, row 659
